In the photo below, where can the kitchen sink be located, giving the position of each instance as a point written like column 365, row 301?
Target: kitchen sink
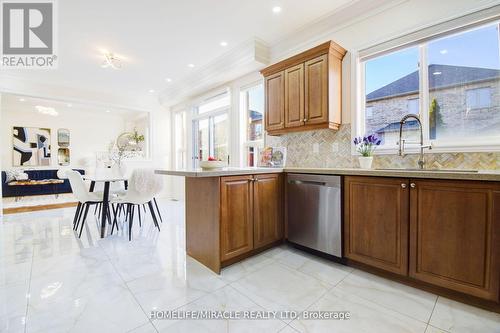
column 427, row 170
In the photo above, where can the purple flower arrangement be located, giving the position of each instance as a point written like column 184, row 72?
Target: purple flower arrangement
column 366, row 145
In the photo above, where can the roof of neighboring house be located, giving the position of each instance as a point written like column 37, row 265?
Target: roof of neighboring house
column 255, row 115
column 449, row 76
column 394, row 127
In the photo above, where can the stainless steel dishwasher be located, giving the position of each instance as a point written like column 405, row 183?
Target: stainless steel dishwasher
column 314, row 212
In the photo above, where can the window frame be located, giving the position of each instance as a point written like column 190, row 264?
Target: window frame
column 484, row 144
column 245, row 143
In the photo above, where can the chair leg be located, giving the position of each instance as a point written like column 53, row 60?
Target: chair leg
column 78, row 207
column 130, row 220
column 151, row 209
column 139, row 212
column 158, row 209
column 78, row 219
column 87, row 206
column 115, row 215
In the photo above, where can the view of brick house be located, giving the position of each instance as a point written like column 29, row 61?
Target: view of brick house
column 466, row 101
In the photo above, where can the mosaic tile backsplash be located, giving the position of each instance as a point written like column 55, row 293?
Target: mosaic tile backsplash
column 300, row 153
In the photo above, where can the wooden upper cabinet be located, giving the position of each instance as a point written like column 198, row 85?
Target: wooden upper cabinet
column 275, row 105
column 304, row 92
column 316, row 90
column 376, row 215
column 268, row 211
column 236, row 225
column 294, row 96
column 455, row 235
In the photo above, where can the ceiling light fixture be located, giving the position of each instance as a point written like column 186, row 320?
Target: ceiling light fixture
column 111, row 61
column 107, row 111
column 151, row 91
column 276, row 9
column 69, row 105
column 443, row 51
column 223, row 43
column 168, row 79
column 21, row 100
column 191, row 65
column 436, row 73
column 47, row 110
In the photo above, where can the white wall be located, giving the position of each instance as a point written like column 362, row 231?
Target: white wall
column 89, row 131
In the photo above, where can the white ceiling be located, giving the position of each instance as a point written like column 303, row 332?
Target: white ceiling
column 158, row 38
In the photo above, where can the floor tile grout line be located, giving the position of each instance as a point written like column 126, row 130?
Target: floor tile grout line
column 29, row 291
column 130, row 291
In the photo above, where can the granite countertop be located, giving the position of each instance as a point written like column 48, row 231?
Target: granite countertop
column 218, row 172
column 487, row 175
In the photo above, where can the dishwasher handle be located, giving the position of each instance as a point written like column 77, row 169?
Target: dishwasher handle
column 307, row 182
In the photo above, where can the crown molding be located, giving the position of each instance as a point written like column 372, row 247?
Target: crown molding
column 247, row 57
column 12, row 84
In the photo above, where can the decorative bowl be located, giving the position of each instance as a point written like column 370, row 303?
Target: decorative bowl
column 212, row 165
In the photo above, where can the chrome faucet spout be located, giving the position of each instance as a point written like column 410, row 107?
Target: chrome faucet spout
column 421, row 161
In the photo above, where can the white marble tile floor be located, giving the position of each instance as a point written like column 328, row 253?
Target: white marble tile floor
column 52, row 281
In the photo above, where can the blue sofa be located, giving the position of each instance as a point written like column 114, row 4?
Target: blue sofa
column 21, row 191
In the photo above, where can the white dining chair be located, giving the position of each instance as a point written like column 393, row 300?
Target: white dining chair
column 143, row 186
column 84, row 197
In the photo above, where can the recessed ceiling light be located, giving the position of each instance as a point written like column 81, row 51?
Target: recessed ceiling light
column 111, row 61
column 69, row 105
column 21, row 100
column 443, row 51
column 151, row 91
column 107, row 111
column 191, row 65
column 436, row 73
column 168, row 79
column 276, row 9
column 46, row 110
column 223, row 43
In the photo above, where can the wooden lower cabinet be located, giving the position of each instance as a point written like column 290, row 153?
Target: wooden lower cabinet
column 454, row 236
column 267, row 210
column 376, row 222
column 251, row 214
column 236, row 224
column 453, row 228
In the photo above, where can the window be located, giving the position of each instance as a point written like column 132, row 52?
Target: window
column 369, row 112
column 457, row 76
column 252, row 111
column 211, row 129
column 478, row 98
column 413, row 105
column 179, row 139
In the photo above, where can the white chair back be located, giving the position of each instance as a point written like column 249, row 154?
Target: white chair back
column 61, row 173
column 78, row 186
column 145, row 183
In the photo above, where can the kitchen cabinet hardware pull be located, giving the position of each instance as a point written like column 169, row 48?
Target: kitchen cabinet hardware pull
column 403, row 185
column 413, row 185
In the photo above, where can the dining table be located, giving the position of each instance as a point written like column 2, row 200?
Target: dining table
column 106, row 179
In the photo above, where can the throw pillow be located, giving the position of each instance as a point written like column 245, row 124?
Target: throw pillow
column 22, row 176
column 10, row 175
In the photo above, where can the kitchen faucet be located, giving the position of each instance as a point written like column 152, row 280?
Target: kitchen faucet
column 401, row 143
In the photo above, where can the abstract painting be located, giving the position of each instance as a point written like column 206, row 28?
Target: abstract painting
column 63, row 137
column 31, row 146
column 63, row 156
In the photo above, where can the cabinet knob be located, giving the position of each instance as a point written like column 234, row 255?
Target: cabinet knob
column 305, row 120
column 403, row 185
column 413, row 185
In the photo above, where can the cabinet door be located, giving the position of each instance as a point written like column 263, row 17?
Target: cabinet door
column 453, row 228
column 294, row 96
column 275, row 106
column 236, row 216
column 267, row 212
column 376, row 222
column 316, row 90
